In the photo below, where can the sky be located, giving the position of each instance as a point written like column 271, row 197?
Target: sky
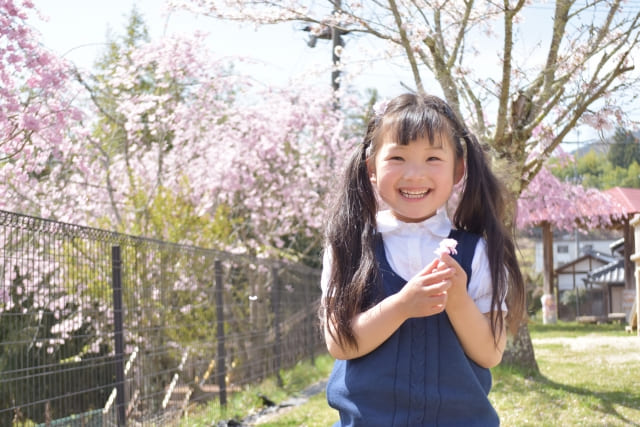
column 77, row 30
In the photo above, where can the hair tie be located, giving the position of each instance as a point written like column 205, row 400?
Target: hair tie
column 365, row 148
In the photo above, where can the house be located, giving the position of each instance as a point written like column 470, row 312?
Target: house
column 617, row 298
column 610, row 279
column 576, row 296
column 572, row 275
column 551, row 254
column 599, row 279
column 566, row 250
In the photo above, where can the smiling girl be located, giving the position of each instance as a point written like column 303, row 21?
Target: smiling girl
column 415, row 334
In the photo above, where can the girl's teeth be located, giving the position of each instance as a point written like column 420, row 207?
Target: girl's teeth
column 413, row 195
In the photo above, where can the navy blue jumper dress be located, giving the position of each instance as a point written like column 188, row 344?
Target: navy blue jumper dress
column 420, row 376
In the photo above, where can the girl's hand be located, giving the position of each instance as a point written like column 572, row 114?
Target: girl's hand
column 458, row 278
column 426, row 293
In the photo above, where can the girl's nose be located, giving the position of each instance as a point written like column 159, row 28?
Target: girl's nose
column 415, row 171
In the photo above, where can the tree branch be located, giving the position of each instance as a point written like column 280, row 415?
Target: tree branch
column 406, row 44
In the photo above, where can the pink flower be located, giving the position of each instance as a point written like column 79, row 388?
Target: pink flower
column 447, row 246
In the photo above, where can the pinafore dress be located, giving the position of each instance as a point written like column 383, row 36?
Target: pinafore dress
column 420, row 376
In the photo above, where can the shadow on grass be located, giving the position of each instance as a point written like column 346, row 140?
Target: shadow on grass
column 511, row 379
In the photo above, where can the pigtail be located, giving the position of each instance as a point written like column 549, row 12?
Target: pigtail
column 350, row 237
column 482, row 210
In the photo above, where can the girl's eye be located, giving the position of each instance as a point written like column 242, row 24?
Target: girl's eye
column 433, row 158
column 396, row 158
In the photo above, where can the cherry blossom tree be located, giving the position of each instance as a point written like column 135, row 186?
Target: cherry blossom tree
column 579, row 70
column 168, row 123
column 34, row 107
column 521, row 101
column 568, row 206
column 549, row 203
column 172, row 144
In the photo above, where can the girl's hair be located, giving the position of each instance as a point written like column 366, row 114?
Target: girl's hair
column 350, row 232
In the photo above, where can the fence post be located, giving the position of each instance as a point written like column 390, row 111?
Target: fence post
column 275, row 289
column 309, row 338
column 116, row 269
column 221, row 355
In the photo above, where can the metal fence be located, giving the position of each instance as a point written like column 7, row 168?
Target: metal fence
column 99, row 328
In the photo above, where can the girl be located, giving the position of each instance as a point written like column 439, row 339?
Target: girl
column 415, row 334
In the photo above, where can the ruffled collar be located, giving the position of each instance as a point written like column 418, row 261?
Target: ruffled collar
column 438, row 225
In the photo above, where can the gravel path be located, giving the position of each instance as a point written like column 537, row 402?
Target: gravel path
column 589, row 341
column 598, row 343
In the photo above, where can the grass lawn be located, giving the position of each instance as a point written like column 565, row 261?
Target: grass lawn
column 247, row 402
column 589, row 376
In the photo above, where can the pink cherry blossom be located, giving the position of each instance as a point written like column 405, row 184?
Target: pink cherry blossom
column 35, row 109
column 447, row 246
column 568, row 206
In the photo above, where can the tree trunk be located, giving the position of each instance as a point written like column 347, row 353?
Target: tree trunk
column 519, row 351
column 629, row 245
column 549, row 304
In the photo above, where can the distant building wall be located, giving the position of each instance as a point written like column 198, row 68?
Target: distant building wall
column 572, row 276
column 564, row 251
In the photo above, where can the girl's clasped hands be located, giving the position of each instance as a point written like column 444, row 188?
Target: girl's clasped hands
column 433, row 289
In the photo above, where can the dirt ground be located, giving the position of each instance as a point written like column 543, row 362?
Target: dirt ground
column 596, row 343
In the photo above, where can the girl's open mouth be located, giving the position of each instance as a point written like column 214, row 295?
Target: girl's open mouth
column 414, row 194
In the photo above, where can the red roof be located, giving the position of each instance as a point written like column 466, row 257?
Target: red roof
column 628, row 198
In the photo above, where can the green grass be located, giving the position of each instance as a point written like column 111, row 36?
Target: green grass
column 588, row 377
column 248, row 401
column 314, row 413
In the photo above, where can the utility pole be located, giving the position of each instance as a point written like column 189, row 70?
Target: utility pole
column 577, row 232
column 334, row 33
column 337, row 44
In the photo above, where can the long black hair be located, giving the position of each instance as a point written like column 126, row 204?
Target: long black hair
column 350, row 231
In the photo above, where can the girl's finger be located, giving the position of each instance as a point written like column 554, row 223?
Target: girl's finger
column 433, row 265
column 437, row 288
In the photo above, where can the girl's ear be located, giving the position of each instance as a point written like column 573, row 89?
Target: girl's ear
column 371, row 170
column 459, row 170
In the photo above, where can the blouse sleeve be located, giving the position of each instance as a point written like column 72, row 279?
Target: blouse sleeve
column 480, row 289
column 327, row 259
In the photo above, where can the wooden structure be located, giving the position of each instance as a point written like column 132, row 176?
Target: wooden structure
column 573, row 277
column 627, row 201
column 610, row 279
column 634, row 315
column 570, row 276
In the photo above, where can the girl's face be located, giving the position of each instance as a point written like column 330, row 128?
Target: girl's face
column 415, row 180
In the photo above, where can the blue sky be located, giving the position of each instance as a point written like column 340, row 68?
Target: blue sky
column 78, row 29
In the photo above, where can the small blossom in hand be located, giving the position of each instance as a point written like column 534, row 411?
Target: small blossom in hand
column 447, row 246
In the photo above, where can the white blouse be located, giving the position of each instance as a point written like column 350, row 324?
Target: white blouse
column 409, row 247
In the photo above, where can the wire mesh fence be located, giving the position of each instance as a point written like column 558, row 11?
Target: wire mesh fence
column 99, row 328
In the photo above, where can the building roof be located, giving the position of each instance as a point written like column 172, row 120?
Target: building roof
column 612, row 273
column 590, row 254
column 617, row 246
column 627, row 198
